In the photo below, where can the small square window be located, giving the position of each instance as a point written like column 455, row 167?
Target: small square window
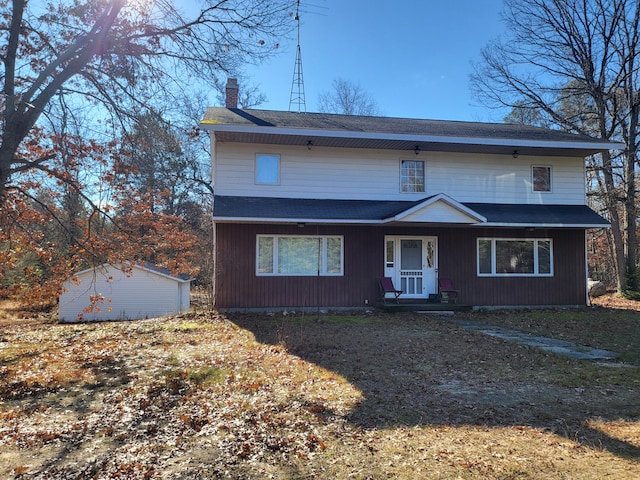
column 412, row 176
column 268, row 169
column 541, row 178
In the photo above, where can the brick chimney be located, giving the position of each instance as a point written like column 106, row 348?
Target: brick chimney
column 232, row 93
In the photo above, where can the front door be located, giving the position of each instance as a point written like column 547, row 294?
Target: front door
column 412, row 264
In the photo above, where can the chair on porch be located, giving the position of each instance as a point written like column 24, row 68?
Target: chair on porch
column 448, row 294
column 386, row 286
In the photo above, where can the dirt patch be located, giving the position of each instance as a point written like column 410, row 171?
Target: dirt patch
column 349, row 396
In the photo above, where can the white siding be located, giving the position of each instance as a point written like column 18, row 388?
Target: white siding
column 375, row 175
column 144, row 294
column 185, row 296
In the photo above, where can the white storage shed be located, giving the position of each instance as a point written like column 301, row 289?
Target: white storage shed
column 135, row 292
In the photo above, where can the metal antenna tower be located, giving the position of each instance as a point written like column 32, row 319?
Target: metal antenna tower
column 297, row 98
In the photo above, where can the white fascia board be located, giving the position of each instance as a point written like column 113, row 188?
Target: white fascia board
column 504, row 142
column 294, row 220
column 390, row 220
column 441, row 197
column 541, row 225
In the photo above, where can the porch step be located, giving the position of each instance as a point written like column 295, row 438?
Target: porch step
column 416, row 306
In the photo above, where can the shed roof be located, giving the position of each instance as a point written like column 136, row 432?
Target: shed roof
column 147, row 266
column 354, row 131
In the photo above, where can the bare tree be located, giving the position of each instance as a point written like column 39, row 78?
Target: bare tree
column 573, row 64
column 523, row 115
column 347, row 98
column 102, row 51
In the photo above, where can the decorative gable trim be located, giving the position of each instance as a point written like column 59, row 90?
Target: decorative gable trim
column 438, row 209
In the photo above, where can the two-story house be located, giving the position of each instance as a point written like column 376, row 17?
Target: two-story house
column 311, row 209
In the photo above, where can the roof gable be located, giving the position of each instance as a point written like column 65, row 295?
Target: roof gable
column 438, row 209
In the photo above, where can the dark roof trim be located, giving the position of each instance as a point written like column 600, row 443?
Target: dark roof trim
column 379, row 212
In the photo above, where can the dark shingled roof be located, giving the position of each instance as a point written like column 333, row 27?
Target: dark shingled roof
column 362, row 211
column 355, row 131
column 164, row 271
column 297, row 208
column 538, row 214
column 390, row 125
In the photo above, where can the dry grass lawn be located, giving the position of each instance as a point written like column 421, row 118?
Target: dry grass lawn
column 406, row 396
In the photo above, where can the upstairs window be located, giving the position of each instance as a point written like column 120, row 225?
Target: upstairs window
column 268, row 169
column 541, row 178
column 412, row 176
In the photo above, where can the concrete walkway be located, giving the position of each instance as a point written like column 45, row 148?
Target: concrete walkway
column 560, row 347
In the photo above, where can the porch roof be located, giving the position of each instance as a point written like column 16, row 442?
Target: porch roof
column 327, row 211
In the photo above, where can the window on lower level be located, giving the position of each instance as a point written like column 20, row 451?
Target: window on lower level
column 507, row 256
column 411, row 176
column 299, row 255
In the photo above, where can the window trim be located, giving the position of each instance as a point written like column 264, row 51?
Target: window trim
column 424, row 175
column 533, row 183
column 536, row 263
column 323, row 272
column 257, row 157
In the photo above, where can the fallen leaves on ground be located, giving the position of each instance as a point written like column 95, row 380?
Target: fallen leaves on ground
column 200, row 396
column 124, row 398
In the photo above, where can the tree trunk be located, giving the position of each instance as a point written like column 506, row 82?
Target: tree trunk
column 611, row 204
column 6, row 159
column 631, row 208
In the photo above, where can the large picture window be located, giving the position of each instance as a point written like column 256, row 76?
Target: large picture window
column 508, row 256
column 299, row 255
column 411, row 176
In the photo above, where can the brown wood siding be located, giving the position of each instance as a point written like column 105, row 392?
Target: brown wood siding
column 566, row 287
column 239, row 287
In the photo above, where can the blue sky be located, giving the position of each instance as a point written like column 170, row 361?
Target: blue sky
column 413, row 56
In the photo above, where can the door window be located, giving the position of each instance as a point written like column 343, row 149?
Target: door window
column 411, row 255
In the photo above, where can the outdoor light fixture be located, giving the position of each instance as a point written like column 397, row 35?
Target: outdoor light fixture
column 515, row 154
column 301, row 224
column 309, row 145
column 417, row 150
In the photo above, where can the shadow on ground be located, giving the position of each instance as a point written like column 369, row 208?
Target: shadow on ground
column 417, row 370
